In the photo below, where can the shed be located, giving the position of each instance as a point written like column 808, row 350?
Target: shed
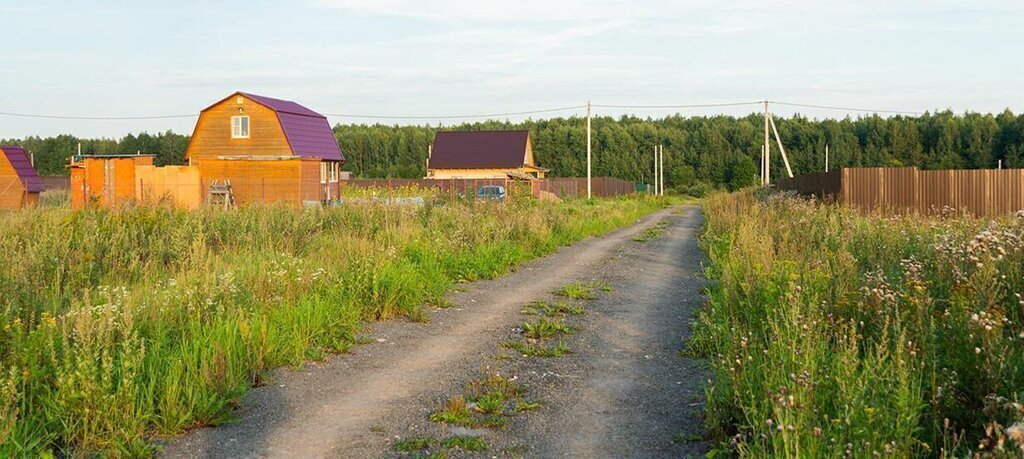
column 106, row 180
column 482, row 155
column 19, row 184
column 268, row 149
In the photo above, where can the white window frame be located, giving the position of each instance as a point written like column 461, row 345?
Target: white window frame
column 323, row 172
column 236, row 127
column 334, row 172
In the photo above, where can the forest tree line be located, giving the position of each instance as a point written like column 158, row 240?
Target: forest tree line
column 716, row 151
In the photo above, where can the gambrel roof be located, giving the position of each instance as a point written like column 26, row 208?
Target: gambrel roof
column 23, row 167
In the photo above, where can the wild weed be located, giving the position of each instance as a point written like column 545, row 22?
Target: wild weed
column 538, row 349
column 578, row 291
column 466, row 443
column 413, row 444
column 116, row 325
column 526, row 405
column 556, row 309
column 545, row 328
column 652, row 232
column 454, row 410
column 832, row 333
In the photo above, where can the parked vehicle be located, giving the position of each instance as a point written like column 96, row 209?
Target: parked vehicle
column 492, row 192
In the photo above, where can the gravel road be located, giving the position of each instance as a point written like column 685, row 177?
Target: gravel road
column 624, row 391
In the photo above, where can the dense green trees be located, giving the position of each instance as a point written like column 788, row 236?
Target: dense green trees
column 721, row 151
column 52, row 153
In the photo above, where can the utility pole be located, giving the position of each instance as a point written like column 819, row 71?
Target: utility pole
column 661, row 148
column 588, row 150
column 767, row 148
column 655, row 179
column 826, row 157
column 762, row 165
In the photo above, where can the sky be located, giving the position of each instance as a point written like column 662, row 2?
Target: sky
column 456, row 57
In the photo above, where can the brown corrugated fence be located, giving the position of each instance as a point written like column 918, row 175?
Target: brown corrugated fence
column 982, row 192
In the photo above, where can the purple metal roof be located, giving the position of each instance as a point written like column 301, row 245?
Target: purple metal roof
column 23, row 167
column 478, row 149
column 308, row 132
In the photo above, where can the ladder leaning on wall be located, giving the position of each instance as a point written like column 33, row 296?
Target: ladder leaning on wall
column 221, row 194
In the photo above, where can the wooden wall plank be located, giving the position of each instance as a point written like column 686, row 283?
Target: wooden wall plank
column 212, row 135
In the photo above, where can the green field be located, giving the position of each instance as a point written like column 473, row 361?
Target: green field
column 835, row 334
column 119, row 327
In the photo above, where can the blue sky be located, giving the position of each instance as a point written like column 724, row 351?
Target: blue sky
column 424, row 57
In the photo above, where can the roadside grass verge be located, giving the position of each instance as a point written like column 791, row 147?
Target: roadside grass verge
column 119, row 326
column 836, row 334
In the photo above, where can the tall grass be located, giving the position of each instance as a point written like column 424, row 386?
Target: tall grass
column 118, row 326
column 836, row 334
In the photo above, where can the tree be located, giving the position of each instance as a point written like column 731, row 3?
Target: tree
column 698, row 149
column 742, row 173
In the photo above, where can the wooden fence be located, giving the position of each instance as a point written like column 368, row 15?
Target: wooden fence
column 982, row 192
column 56, row 182
column 571, row 187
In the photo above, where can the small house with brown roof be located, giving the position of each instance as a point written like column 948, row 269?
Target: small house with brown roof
column 268, row 149
column 482, row 155
column 19, row 184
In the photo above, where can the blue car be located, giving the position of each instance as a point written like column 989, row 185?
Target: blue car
column 491, row 192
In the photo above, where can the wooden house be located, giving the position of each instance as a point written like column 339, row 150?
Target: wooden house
column 268, row 149
column 105, row 180
column 19, row 184
column 482, row 155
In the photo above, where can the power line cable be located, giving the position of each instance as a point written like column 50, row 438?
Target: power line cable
column 484, row 115
column 95, row 118
column 848, row 109
column 436, row 117
column 726, row 104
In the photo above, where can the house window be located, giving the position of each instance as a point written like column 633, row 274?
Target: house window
column 239, row 127
column 323, row 172
column 334, row 172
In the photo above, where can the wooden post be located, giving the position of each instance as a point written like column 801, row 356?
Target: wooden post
column 762, row 165
column 767, row 149
column 826, row 158
column 655, row 179
column 781, row 150
column 588, row 150
column 661, row 168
